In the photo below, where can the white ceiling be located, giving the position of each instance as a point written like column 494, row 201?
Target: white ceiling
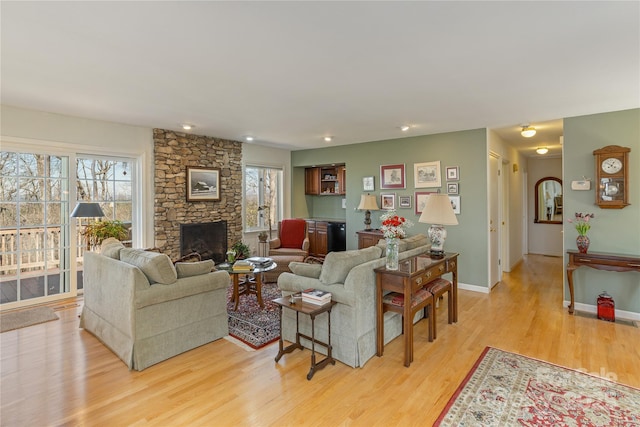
column 290, row 73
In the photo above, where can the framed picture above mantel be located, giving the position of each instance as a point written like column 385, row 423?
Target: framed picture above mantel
column 203, row 184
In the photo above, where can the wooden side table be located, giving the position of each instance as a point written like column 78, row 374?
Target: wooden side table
column 312, row 310
column 368, row 238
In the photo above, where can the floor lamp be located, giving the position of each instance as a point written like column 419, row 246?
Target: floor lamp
column 438, row 212
column 368, row 203
column 87, row 210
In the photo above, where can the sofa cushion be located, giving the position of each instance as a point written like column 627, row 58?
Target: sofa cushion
column 194, row 268
column 305, row 269
column 111, row 248
column 157, row 267
column 416, row 241
column 382, row 244
column 337, row 265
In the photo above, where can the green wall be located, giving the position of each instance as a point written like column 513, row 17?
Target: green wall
column 613, row 230
column 465, row 149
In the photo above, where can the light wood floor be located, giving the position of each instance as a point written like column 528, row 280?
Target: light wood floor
column 57, row 374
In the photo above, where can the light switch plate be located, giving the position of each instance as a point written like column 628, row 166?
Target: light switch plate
column 581, row 185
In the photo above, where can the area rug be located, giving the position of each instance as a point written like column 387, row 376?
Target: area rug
column 24, row 318
column 507, row 389
column 251, row 324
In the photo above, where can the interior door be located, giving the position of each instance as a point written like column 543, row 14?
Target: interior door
column 494, row 219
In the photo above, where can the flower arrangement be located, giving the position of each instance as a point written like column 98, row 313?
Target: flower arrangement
column 394, row 226
column 581, row 222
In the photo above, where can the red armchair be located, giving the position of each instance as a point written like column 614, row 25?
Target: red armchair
column 293, row 238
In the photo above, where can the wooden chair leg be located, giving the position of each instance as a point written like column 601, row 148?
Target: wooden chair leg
column 450, row 301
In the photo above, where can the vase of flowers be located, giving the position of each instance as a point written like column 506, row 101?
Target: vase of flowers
column 394, row 227
column 581, row 222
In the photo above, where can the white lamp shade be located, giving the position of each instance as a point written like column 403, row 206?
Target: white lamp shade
column 368, row 202
column 438, row 210
column 87, row 210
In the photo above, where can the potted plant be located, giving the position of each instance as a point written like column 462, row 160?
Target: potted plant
column 97, row 232
column 242, row 251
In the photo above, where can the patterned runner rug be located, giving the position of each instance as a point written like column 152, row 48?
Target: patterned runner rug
column 507, row 389
column 251, row 324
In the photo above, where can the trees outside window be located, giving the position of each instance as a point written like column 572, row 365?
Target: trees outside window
column 263, row 197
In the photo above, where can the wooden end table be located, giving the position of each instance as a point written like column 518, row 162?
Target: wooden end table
column 312, row 310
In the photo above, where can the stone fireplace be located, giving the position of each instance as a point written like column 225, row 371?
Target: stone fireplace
column 173, row 153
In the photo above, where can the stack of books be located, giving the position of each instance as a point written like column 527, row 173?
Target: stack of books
column 242, row 266
column 316, row 296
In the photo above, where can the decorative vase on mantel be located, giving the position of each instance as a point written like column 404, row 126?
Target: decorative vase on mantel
column 582, row 242
column 392, row 254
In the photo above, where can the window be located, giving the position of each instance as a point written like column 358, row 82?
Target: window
column 263, row 197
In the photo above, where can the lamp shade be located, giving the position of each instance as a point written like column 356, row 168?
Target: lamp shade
column 368, row 202
column 438, row 210
column 87, row 210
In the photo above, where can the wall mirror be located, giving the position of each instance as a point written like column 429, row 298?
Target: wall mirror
column 548, row 195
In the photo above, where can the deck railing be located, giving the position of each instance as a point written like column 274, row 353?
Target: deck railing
column 36, row 248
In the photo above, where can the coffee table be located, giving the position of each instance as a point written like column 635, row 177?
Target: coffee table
column 248, row 283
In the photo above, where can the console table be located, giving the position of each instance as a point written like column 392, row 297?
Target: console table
column 599, row 261
column 412, row 275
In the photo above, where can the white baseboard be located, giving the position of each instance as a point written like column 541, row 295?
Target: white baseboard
column 589, row 308
column 474, row 288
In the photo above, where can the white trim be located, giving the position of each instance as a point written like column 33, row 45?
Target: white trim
column 589, row 308
column 473, row 288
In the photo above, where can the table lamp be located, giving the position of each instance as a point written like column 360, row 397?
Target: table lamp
column 438, row 212
column 368, row 203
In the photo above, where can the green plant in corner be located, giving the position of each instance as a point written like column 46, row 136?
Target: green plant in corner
column 97, row 232
column 242, row 250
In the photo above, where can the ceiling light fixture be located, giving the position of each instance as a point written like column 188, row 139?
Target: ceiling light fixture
column 542, row 150
column 404, row 128
column 528, row 131
column 248, row 138
column 187, row 126
column 328, row 138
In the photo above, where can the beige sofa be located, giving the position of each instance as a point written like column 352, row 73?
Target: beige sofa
column 146, row 310
column 350, row 278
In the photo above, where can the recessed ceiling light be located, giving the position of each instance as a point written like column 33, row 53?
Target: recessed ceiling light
column 187, row 126
column 542, row 150
column 405, row 128
column 248, row 138
column 328, row 138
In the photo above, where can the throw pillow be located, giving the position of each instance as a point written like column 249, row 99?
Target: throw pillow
column 416, row 241
column 382, row 244
column 337, row 265
column 304, row 269
column 197, row 268
column 157, row 267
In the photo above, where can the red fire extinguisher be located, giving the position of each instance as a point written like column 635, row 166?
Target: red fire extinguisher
column 606, row 307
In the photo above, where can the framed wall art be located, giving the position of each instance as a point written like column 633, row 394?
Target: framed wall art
column 368, row 183
column 452, row 187
column 392, row 176
column 453, row 173
column 203, row 184
column 421, row 199
column 455, row 204
column 426, row 174
column 404, row 202
column 388, row 201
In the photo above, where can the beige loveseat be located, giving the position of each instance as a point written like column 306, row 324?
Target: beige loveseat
column 145, row 309
column 350, row 278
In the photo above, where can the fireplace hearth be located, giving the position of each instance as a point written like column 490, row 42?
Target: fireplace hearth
column 209, row 239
